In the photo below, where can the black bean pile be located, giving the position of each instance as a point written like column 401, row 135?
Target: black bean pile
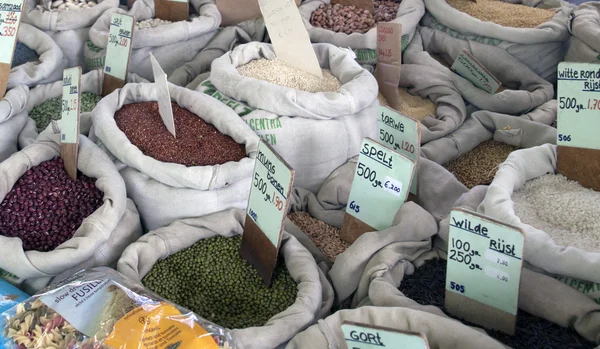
column 46, row 207
column 427, row 287
column 212, row 280
column 23, row 54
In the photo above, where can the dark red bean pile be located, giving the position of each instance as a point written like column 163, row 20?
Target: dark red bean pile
column 427, row 285
column 198, row 143
column 46, row 207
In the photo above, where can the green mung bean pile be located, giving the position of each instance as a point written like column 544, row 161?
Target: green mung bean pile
column 51, row 109
column 212, row 280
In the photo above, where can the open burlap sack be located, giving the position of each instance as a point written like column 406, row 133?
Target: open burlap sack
column 524, row 89
column 192, row 73
column 13, row 118
column 90, row 82
column 528, row 130
column 165, row 192
column 540, row 48
column 50, row 65
column 314, row 132
column 69, row 29
column 310, row 304
column 539, row 294
column 171, row 44
column 101, row 237
column 540, row 250
column 585, row 27
column 364, row 45
column 441, row 333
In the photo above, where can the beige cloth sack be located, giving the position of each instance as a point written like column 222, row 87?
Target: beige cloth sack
column 51, row 62
column 585, row 27
column 101, row 237
column 165, row 192
column 13, row 118
column 310, row 305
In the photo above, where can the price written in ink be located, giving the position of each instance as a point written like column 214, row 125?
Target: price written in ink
column 10, row 18
column 578, row 105
column 484, row 260
column 400, row 133
column 380, row 184
column 269, row 193
column 119, row 46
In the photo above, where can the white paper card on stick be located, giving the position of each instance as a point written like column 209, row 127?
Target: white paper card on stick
column 118, row 49
column 69, row 122
column 162, row 95
column 401, row 133
column 362, row 336
column 10, row 19
column 289, row 36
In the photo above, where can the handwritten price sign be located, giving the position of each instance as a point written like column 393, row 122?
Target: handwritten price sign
column 10, row 18
column 119, row 46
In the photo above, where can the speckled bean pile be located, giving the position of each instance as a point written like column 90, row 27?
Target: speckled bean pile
column 479, row 166
column 563, row 209
column 277, row 72
column 349, row 19
column 23, row 54
column 151, row 23
column 65, row 5
column 51, row 109
column 325, row 236
column 503, row 13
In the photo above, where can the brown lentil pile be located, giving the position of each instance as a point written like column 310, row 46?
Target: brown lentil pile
column 198, row 143
column 277, row 72
column 480, row 164
column 349, row 19
column 503, row 13
column 325, row 236
column 414, row 106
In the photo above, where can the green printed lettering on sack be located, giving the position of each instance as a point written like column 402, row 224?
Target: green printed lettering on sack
column 258, row 124
column 7, row 275
column 598, row 57
column 405, row 42
column 365, row 55
column 240, row 108
column 591, row 289
column 481, row 39
column 90, row 45
column 269, row 138
column 94, row 63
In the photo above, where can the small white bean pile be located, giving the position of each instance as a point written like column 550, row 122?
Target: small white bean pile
column 65, row 5
column 563, row 209
column 150, row 23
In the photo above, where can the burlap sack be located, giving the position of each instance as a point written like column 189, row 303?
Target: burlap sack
column 90, row 82
column 13, row 118
column 364, row 45
column 139, row 257
column 314, row 132
column 441, row 333
column 539, row 294
column 525, row 90
column 165, row 192
column 192, row 73
column 69, row 29
column 101, row 237
column 540, row 250
column 171, row 44
column 51, row 62
column 528, row 130
column 585, row 27
column 540, row 48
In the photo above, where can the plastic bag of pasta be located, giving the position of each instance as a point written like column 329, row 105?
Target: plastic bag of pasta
column 101, row 309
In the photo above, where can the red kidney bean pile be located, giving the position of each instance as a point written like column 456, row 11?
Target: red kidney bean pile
column 198, row 143
column 349, row 19
column 46, row 207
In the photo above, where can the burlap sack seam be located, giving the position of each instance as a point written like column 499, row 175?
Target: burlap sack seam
column 327, row 333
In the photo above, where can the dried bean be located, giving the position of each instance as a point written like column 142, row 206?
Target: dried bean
column 326, row 237
column 198, row 143
column 350, row 19
column 46, row 207
column 23, row 54
column 65, row 5
column 51, row 109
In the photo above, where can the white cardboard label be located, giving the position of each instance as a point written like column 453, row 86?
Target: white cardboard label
column 163, row 96
column 70, row 105
column 118, row 49
column 10, row 17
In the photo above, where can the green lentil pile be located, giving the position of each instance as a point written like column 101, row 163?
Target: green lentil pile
column 51, row 109
column 212, row 280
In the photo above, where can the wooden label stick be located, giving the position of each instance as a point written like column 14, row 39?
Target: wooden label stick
column 289, row 36
column 10, row 21
column 267, row 208
column 361, row 4
column 163, row 96
column 389, row 59
column 483, row 276
column 362, row 336
column 172, row 10
column 579, row 123
column 380, row 186
column 118, row 52
column 69, row 122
